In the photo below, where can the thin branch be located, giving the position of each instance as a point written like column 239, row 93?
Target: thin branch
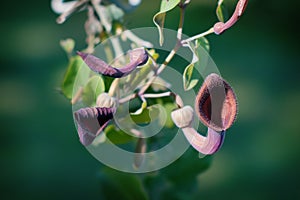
column 127, row 98
column 165, row 94
column 76, row 6
column 178, row 99
column 181, row 22
column 171, row 54
column 131, row 36
column 162, row 67
column 209, row 31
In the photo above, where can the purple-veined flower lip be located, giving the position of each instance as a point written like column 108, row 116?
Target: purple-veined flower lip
column 91, row 122
column 138, row 57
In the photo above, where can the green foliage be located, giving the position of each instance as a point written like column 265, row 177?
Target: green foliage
column 120, row 185
column 92, row 89
column 147, row 115
column 222, row 13
column 169, row 108
column 188, row 82
column 67, row 45
column 203, row 42
column 70, row 75
column 189, row 78
column 178, row 180
column 117, row 136
column 159, row 18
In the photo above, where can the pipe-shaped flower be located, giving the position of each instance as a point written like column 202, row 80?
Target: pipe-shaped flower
column 137, row 57
column 216, row 104
column 91, row 122
column 210, row 144
column 220, row 27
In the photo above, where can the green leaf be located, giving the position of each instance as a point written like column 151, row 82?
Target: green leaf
column 199, row 58
column 120, row 185
column 188, row 82
column 169, row 108
column 159, row 84
column 116, row 135
column 92, row 89
column 148, row 114
column 140, row 110
column 159, row 18
column 67, row 45
column 190, row 165
column 203, row 42
column 70, row 76
column 222, row 13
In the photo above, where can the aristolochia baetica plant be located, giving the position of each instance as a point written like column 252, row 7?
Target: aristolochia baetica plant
column 215, row 104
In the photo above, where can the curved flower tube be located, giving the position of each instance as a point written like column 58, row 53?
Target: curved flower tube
column 220, row 27
column 210, row 144
column 91, row 121
column 216, row 103
column 138, row 57
column 206, row 145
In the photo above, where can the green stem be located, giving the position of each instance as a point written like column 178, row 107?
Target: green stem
column 209, row 31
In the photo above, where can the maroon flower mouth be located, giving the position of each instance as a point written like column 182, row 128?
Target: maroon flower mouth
column 91, row 121
column 216, row 103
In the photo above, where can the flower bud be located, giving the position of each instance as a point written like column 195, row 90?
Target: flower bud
column 106, row 101
column 183, row 117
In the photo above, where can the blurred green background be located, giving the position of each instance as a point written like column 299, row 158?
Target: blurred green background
column 41, row 157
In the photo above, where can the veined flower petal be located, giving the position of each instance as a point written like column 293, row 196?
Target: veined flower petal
column 138, row 57
column 91, row 121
